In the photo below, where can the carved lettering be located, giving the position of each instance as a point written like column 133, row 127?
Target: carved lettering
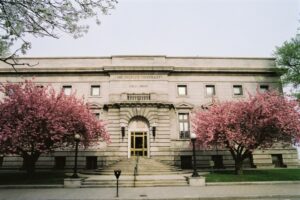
column 138, row 77
column 138, row 86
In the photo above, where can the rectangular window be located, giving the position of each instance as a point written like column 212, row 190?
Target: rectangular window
column 60, row 162
column 186, row 162
column 40, row 86
column 184, row 125
column 91, row 162
column 182, row 90
column 263, row 88
column 277, row 160
column 217, row 161
column 210, row 90
column 237, row 90
column 67, row 89
column 95, row 90
column 1, row 160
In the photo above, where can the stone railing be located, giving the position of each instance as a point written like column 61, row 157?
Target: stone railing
column 138, row 97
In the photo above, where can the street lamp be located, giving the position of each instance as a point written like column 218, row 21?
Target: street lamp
column 77, row 140
column 193, row 139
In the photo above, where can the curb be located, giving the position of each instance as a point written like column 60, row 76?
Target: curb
column 29, row 186
column 207, row 184
column 252, row 183
column 270, row 197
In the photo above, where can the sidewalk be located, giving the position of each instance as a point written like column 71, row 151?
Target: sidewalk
column 223, row 192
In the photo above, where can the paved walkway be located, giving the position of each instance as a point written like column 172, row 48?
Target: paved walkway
column 228, row 192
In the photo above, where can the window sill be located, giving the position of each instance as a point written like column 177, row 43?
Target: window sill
column 183, row 96
column 181, row 140
column 238, row 96
column 90, row 96
column 206, row 96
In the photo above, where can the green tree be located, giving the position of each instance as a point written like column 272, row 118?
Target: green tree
column 44, row 18
column 288, row 61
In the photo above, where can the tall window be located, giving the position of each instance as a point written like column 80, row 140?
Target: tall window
column 95, row 90
column 210, row 90
column 67, row 89
column 237, row 90
column 184, row 125
column 263, row 88
column 182, row 90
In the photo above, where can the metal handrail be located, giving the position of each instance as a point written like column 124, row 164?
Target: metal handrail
column 135, row 173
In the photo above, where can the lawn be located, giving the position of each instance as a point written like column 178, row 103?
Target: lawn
column 21, row 178
column 255, row 175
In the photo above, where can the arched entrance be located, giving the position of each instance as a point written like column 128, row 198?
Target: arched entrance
column 138, row 132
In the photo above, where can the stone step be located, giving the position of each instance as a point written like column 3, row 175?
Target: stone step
column 141, row 181
column 138, row 184
column 132, row 173
column 150, row 173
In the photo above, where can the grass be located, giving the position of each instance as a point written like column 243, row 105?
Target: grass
column 255, row 175
column 41, row 178
column 56, row 177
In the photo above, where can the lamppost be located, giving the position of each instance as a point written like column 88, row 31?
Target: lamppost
column 193, row 139
column 77, row 140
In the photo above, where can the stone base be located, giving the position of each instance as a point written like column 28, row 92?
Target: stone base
column 196, row 181
column 72, row 182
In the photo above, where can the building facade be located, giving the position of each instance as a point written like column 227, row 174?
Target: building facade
column 148, row 101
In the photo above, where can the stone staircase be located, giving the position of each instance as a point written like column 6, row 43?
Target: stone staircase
column 149, row 173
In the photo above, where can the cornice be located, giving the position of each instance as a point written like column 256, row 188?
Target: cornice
column 109, row 69
column 138, row 104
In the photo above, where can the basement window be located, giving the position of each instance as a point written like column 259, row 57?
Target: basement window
column 60, row 162
column 91, row 162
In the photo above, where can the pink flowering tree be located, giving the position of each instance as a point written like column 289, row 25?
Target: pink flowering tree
column 243, row 126
column 36, row 120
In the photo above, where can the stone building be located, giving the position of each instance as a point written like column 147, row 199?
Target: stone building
column 148, row 102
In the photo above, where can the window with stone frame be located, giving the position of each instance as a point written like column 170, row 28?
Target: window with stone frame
column 182, row 90
column 237, row 90
column 184, row 125
column 1, row 160
column 263, row 88
column 95, row 90
column 59, row 162
column 210, row 90
column 67, row 89
column 91, row 162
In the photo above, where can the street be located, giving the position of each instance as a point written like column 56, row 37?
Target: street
column 228, row 192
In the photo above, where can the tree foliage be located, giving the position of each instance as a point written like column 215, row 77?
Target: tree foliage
column 288, row 61
column 243, row 126
column 20, row 18
column 36, row 120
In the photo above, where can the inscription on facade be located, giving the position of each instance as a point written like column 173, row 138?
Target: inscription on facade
column 138, row 86
column 138, row 77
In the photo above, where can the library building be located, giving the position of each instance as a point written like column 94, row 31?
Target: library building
column 148, row 102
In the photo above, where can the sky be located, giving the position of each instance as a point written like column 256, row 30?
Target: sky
column 229, row 28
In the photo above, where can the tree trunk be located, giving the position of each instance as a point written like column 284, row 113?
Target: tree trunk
column 29, row 162
column 238, row 166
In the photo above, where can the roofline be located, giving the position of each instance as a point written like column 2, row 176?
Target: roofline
column 127, row 56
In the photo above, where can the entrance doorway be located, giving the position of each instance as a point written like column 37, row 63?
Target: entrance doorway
column 138, row 144
column 138, row 137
